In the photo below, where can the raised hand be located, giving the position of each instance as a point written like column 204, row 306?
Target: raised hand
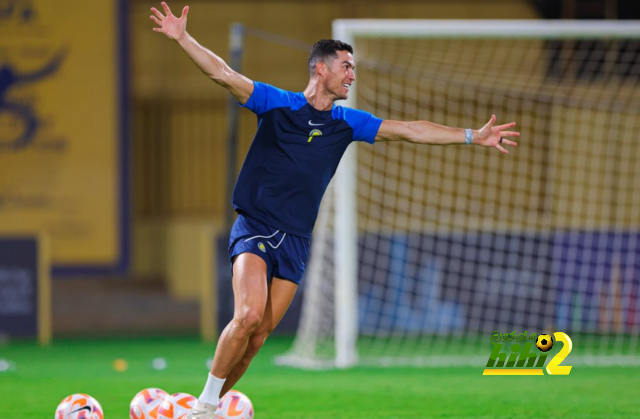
column 491, row 136
column 170, row 25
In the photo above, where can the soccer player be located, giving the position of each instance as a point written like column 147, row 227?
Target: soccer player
column 297, row 147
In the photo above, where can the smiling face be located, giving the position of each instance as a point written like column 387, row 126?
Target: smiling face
column 338, row 75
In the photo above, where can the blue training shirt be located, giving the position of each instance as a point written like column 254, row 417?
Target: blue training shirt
column 293, row 156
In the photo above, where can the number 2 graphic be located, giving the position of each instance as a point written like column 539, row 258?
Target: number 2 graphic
column 554, row 367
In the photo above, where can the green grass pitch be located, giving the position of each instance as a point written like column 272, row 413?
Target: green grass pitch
column 44, row 376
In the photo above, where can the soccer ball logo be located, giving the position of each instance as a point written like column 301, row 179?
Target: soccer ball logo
column 544, row 342
column 146, row 403
column 79, row 406
column 176, row 406
column 235, row 405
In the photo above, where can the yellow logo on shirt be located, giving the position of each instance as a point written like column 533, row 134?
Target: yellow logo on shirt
column 314, row 133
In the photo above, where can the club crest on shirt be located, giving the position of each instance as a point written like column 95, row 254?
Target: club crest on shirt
column 314, row 133
column 262, row 247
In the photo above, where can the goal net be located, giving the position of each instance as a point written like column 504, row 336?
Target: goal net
column 422, row 253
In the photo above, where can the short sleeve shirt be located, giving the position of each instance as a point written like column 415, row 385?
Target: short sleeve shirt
column 293, row 156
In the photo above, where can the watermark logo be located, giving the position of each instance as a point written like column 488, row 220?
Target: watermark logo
column 523, row 358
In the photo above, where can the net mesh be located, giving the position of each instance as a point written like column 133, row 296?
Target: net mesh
column 458, row 242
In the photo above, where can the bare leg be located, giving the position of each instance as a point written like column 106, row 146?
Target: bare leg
column 250, row 299
column 280, row 295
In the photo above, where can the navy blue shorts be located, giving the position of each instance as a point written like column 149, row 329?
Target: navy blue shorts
column 285, row 255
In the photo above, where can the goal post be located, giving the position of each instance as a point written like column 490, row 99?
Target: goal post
column 420, row 253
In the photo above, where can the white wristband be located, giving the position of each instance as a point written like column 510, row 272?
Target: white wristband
column 468, row 136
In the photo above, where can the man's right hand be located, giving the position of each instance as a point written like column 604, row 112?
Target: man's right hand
column 209, row 63
column 170, row 25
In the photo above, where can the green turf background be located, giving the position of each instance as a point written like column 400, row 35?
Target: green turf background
column 44, row 376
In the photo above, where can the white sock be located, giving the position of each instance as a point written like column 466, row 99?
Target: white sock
column 211, row 393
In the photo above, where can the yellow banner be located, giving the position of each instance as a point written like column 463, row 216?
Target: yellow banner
column 60, row 128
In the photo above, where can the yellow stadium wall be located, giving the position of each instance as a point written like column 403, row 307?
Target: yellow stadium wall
column 180, row 250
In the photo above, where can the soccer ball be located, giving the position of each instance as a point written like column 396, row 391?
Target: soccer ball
column 79, row 406
column 235, row 405
column 146, row 403
column 176, row 406
column 544, row 342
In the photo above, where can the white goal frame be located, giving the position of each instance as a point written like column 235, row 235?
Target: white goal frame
column 347, row 30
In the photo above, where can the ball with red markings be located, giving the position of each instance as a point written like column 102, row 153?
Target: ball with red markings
column 176, row 406
column 235, row 405
column 146, row 403
column 79, row 406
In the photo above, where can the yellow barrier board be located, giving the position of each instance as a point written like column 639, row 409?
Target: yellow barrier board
column 61, row 167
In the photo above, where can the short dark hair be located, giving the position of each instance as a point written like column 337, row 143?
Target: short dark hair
column 324, row 49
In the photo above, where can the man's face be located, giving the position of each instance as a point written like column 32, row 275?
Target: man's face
column 340, row 75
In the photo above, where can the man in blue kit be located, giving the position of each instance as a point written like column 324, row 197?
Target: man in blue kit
column 297, row 147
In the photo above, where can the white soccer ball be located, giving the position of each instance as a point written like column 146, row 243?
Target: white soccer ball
column 79, row 406
column 235, row 405
column 176, row 406
column 146, row 403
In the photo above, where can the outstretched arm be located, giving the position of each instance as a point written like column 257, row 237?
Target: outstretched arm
column 213, row 66
column 424, row 132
